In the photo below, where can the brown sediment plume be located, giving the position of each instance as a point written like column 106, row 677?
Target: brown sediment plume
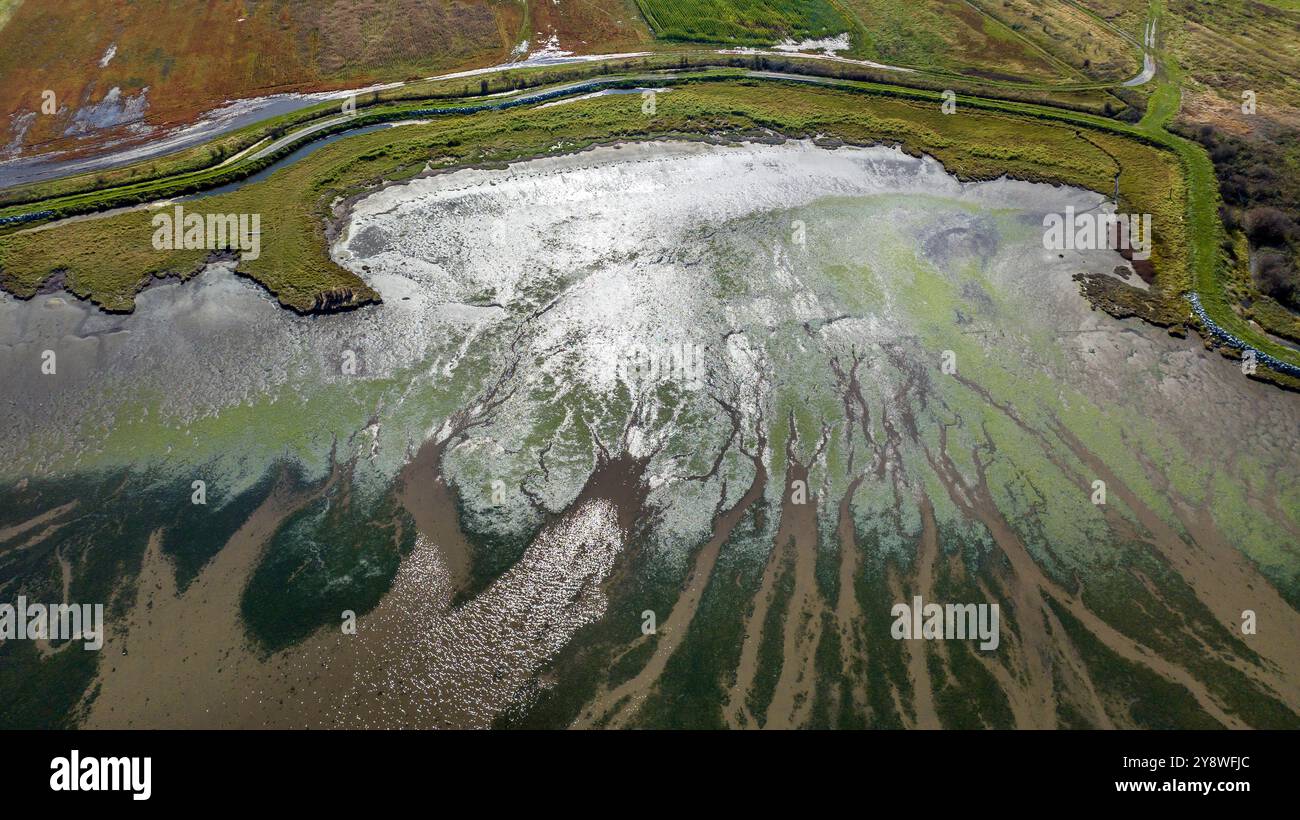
column 473, row 662
column 1204, row 560
column 413, row 661
column 793, row 699
column 1030, row 589
column 617, row 707
column 736, row 710
column 181, row 660
column 848, row 611
column 795, row 544
column 418, row 662
column 1221, row 577
column 1032, row 702
column 926, row 715
column 425, row 492
column 39, row 535
column 431, row 501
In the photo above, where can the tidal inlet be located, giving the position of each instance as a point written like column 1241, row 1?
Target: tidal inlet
column 658, row 434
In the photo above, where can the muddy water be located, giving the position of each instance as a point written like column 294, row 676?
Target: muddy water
column 599, row 362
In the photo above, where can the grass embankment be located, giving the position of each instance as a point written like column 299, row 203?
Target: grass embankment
column 1214, row 273
column 222, row 150
column 227, row 157
column 963, row 49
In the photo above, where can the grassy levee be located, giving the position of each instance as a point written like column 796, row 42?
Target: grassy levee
column 199, row 157
column 205, row 178
column 210, row 155
column 1210, row 269
column 25, row 198
column 191, row 174
column 1203, row 232
column 130, row 183
column 1012, row 160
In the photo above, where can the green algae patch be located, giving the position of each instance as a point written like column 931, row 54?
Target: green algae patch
column 337, row 554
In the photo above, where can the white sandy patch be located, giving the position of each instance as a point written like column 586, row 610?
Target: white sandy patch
column 828, row 45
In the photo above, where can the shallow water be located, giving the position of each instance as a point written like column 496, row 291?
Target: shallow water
column 651, row 312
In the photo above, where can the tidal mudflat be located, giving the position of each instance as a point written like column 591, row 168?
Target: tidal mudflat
column 752, row 395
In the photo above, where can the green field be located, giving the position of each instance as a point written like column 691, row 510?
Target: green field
column 743, row 22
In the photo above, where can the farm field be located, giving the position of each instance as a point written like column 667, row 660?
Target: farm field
column 171, row 62
column 1070, row 34
column 588, row 26
column 744, row 22
column 949, row 36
